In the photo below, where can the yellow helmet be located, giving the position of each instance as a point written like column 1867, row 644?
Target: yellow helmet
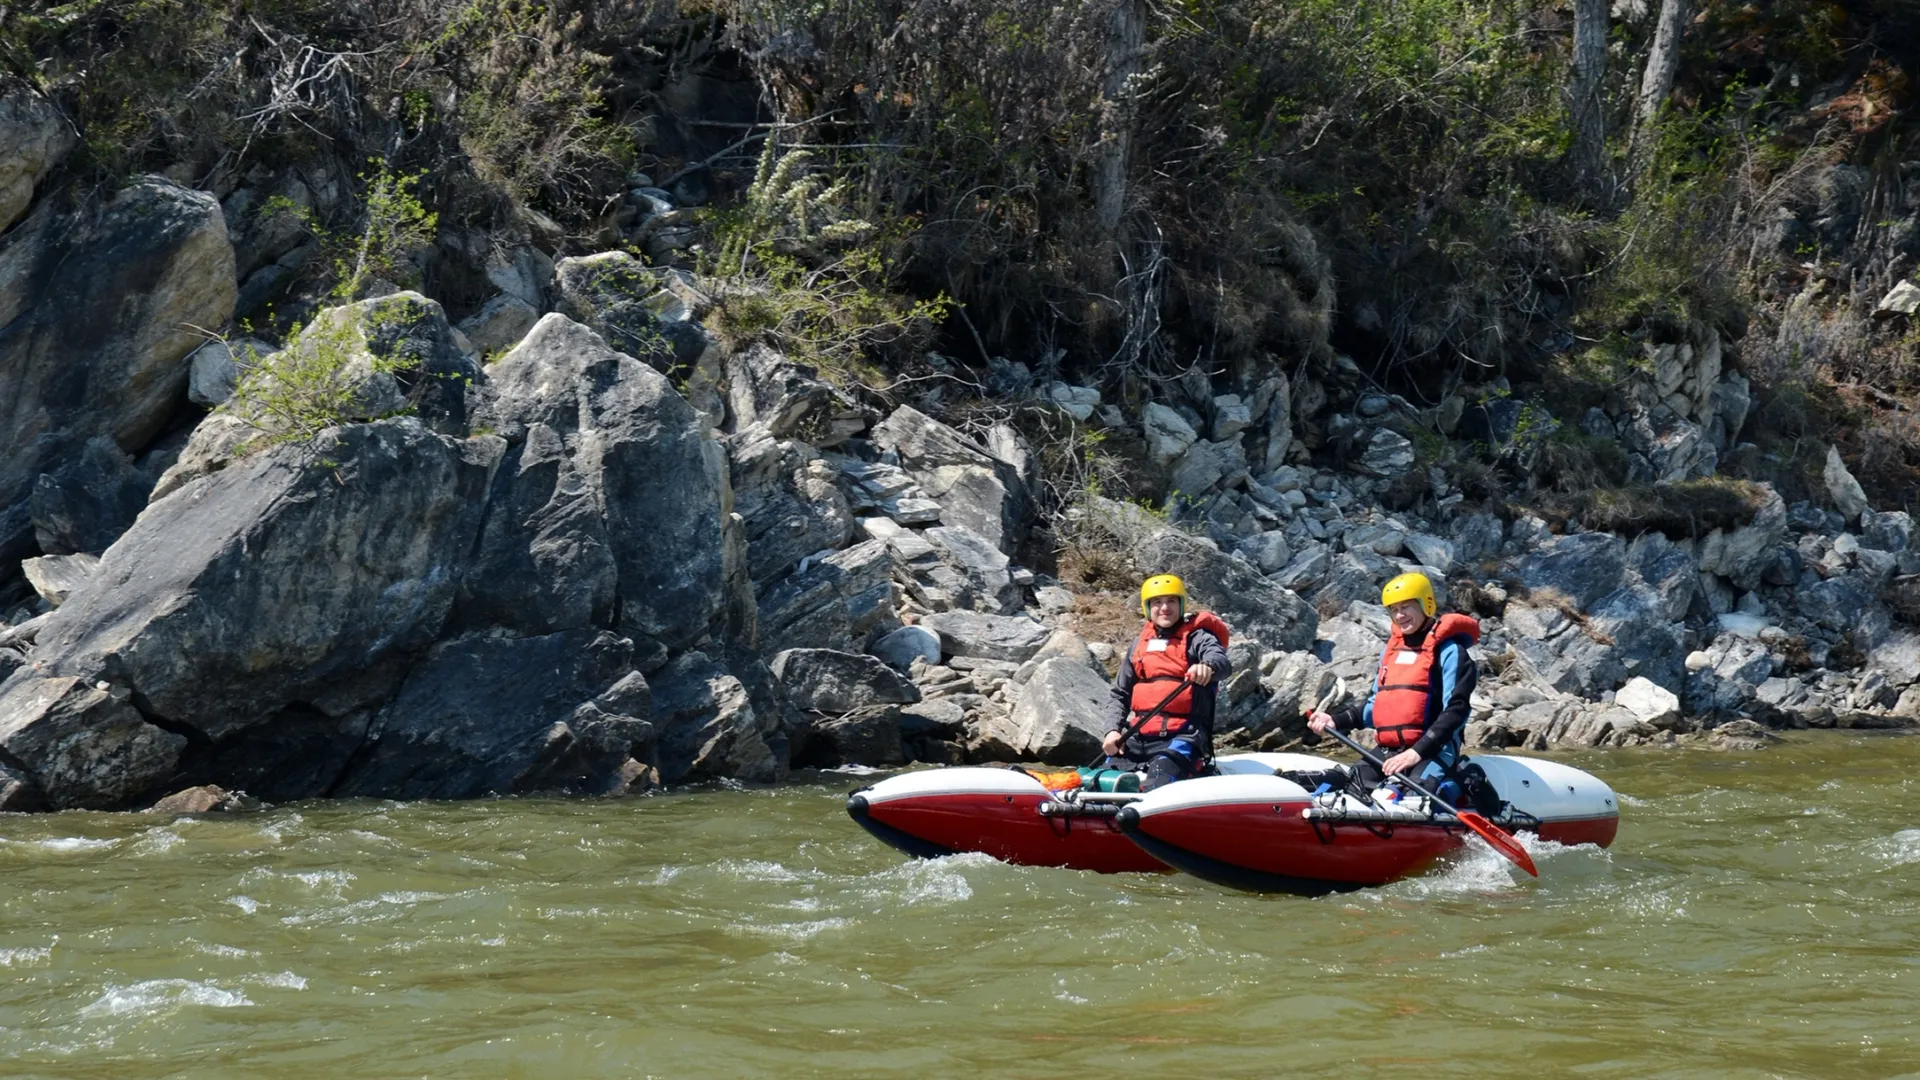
column 1411, row 586
column 1163, row 585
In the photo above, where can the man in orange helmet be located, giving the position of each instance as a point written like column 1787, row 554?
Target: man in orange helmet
column 1157, row 721
column 1421, row 696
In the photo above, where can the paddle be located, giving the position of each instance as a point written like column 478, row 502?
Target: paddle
column 1128, row 732
column 1500, row 839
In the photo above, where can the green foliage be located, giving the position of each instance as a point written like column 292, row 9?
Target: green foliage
column 318, row 381
column 795, row 264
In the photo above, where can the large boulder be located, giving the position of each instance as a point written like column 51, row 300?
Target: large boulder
column 831, row 681
column 710, row 723
column 84, row 745
column 34, row 139
column 85, row 503
column 789, row 400
column 1743, row 554
column 974, row 487
column 1060, row 718
column 295, row 578
column 97, row 316
column 486, row 714
column 624, row 300
column 610, row 504
column 1010, row 638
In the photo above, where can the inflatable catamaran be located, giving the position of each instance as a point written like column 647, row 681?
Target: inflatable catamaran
column 1254, row 826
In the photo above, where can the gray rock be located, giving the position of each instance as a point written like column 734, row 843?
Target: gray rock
column 1251, row 604
column 1891, row 531
column 869, row 736
column 1060, row 644
column 790, row 400
column 1581, row 568
column 1076, row 401
column 1742, row 555
column 1667, row 569
column 500, row 324
column 1306, row 570
column 1231, row 416
column 1652, row 703
column 788, row 501
column 1665, row 447
column 1060, row 718
column 1836, row 603
column 845, row 598
column 1847, row 495
column 709, row 725
column 608, row 293
column 83, row 746
column 55, row 577
column 1011, row 638
column 974, row 488
column 1268, row 551
column 1207, row 465
column 293, row 578
column 1168, row 435
column 497, row 715
column 120, row 288
column 1386, row 454
column 1902, row 299
column 830, row 681
column 1731, row 402
column 609, row 504
column 1379, row 539
column 215, row 368
column 34, row 139
column 87, row 501
column 1899, row 657
column 982, row 566
column 1431, row 551
column 1478, row 537
column 901, row 647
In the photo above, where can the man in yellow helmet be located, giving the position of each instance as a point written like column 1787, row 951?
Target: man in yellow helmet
column 1156, row 721
column 1421, row 695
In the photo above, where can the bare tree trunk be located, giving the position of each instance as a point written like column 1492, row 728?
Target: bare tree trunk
column 1126, row 55
column 1585, row 105
column 1662, row 64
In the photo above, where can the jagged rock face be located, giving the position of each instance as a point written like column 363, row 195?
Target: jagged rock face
column 119, row 287
column 712, row 723
column 788, row 501
column 85, row 503
column 975, row 488
column 286, row 579
column 843, row 599
column 611, row 500
column 487, row 714
column 34, row 138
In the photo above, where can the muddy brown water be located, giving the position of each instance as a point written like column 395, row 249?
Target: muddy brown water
column 1759, row 916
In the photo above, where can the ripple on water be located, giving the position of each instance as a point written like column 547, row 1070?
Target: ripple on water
column 157, row 996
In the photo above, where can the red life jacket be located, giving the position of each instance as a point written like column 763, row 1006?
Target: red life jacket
column 1404, row 688
column 1157, row 670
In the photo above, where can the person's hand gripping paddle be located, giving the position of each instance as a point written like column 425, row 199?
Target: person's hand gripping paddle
column 1133, row 728
column 1496, row 837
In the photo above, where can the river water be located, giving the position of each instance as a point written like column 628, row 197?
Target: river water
column 1758, row 916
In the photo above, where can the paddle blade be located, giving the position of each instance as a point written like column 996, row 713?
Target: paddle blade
column 1501, row 840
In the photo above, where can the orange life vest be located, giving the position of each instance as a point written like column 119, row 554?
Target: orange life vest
column 1157, row 670
column 1403, row 692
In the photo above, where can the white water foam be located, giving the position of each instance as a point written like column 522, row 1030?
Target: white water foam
column 794, row 932
column 757, row 870
column 285, row 980
column 162, row 995
column 1900, row 849
column 158, row 841
column 62, row 845
column 222, row 950
column 246, row 904
column 25, row 957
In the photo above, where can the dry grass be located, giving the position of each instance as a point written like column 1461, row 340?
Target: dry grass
column 1683, row 511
